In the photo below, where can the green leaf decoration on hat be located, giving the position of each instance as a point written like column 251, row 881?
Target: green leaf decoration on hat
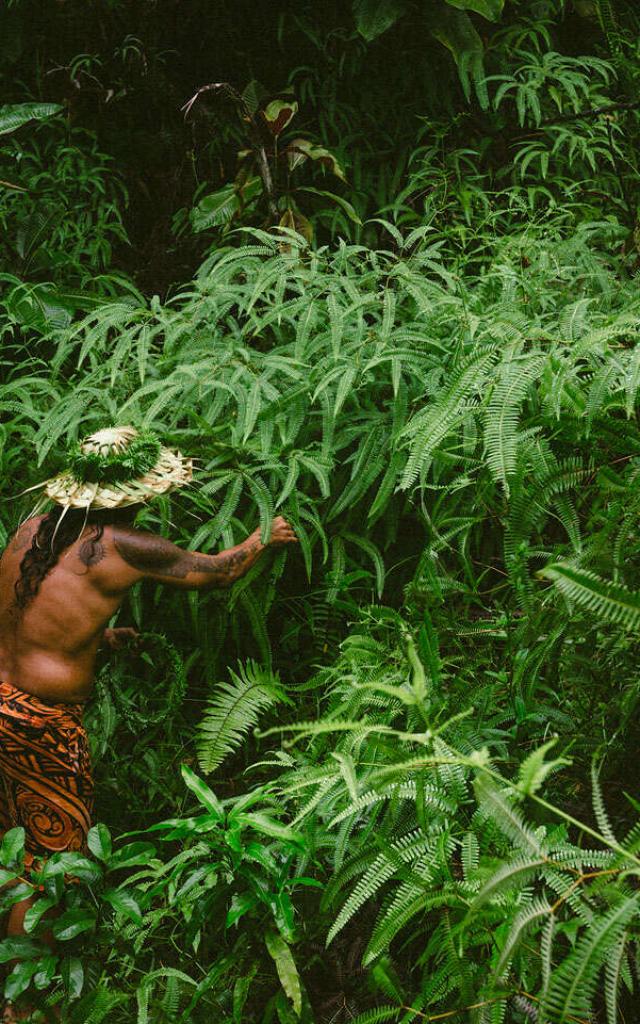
column 111, row 466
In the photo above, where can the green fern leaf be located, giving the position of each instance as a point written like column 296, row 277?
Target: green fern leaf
column 522, row 922
column 235, row 709
column 611, row 601
column 572, row 985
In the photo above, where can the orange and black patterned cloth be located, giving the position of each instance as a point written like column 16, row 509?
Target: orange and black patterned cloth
column 45, row 773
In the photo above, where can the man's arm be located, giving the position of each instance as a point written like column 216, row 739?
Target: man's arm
column 153, row 557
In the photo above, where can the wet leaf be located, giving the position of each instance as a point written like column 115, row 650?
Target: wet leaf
column 489, row 9
column 215, row 209
column 286, row 968
column 73, row 923
column 373, row 17
column 279, row 113
column 14, row 115
column 99, row 842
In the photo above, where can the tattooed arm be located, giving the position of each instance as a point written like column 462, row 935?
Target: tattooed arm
column 153, row 557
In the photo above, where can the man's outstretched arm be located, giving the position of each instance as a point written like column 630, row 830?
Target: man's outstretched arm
column 153, row 557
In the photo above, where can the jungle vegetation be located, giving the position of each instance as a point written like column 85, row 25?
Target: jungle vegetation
column 374, row 264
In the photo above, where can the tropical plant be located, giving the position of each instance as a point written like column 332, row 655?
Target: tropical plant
column 265, row 165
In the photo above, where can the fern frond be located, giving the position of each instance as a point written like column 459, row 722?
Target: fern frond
column 501, row 421
column 234, row 710
column 380, row 1015
column 611, row 601
column 599, row 810
column 515, row 872
column 402, row 850
column 573, row 982
column 500, row 808
column 522, row 922
column 613, row 972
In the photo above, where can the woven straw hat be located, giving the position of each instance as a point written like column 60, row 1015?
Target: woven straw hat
column 97, row 475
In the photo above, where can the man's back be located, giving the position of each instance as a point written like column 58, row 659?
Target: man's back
column 48, row 647
column 49, row 642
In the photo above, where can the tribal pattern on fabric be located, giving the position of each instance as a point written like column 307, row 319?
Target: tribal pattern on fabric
column 45, row 773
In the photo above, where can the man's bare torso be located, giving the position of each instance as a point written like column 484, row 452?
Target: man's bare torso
column 49, row 648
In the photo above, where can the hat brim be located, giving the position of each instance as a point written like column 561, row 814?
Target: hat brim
column 170, row 472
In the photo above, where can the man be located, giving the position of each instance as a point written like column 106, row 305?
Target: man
column 62, row 578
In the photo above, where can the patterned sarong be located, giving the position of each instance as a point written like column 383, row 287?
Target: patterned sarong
column 45, row 773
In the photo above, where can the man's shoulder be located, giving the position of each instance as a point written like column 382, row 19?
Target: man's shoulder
column 25, row 533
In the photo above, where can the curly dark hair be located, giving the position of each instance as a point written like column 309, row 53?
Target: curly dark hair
column 57, row 532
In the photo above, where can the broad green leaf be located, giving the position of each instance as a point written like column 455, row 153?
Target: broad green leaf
column 490, row 9
column 455, row 30
column 286, row 968
column 19, row 948
column 13, row 116
column 373, row 17
column 200, row 789
column 279, row 113
column 12, row 849
column 45, row 972
column 72, row 973
column 241, row 991
column 73, row 923
column 20, row 978
column 99, row 842
column 35, row 912
column 132, row 855
column 339, row 200
column 75, row 864
column 268, row 826
column 240, row 905
column 125, row 903
column 215, row 209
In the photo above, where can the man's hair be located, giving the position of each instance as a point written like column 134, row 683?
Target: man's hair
column 57, row 532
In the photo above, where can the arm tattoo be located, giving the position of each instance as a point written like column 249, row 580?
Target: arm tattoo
column 160, row 557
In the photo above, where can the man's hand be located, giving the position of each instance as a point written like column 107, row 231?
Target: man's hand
column 281, row 532
column 119, row 637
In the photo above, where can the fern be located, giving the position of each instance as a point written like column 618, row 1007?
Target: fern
column 523, row 921
column 573, row 983
column 501, row 430
column 402, row 850
column 235, row 710
column 614, row 968
column 613, row 602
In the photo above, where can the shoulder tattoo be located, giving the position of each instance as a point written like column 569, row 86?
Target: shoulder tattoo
column 91, row 552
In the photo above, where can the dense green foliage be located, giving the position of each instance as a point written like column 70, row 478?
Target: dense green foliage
column 406, row 317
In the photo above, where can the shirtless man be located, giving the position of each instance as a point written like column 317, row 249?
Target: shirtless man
column 62, row 578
